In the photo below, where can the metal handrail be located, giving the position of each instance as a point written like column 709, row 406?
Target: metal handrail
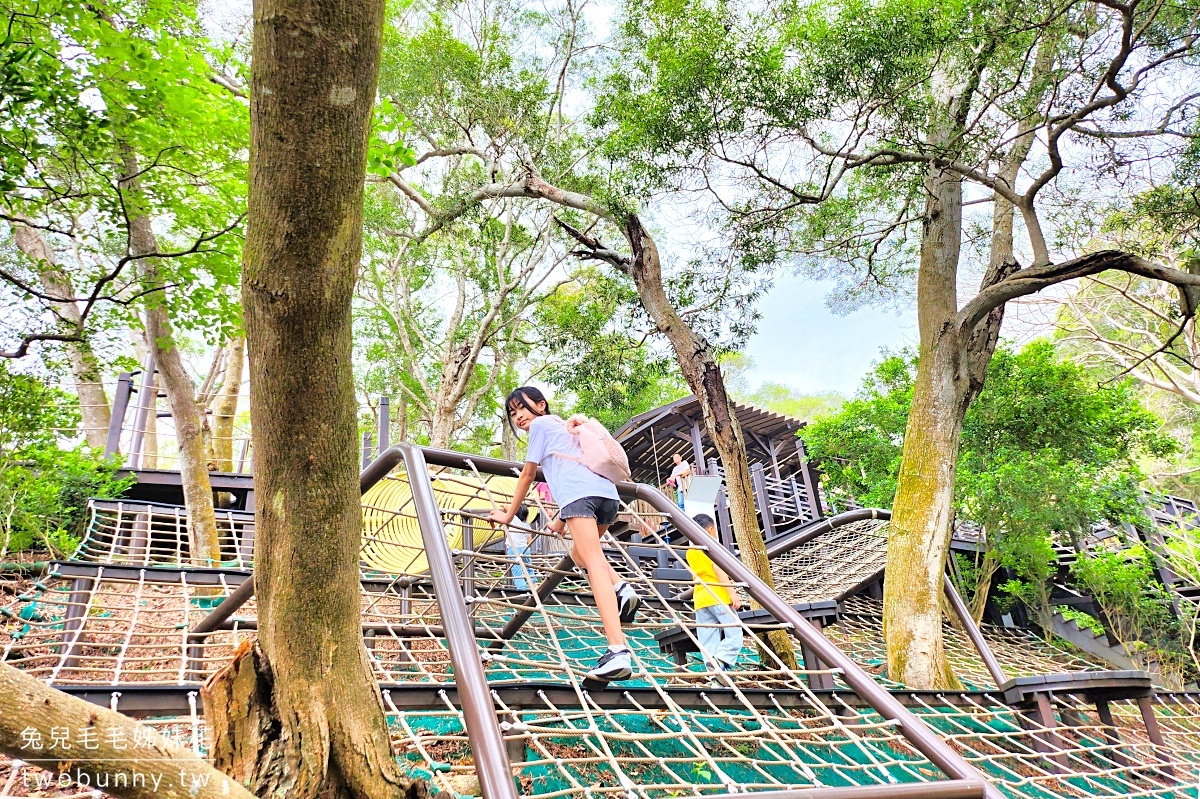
column 922, row 738
column 947, row 789
column 918, row 734
column 483, row 729
column 479, row 713
column 974, row 633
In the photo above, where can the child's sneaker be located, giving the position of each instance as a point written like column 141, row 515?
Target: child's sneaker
column 613, row 666
column 628, row 601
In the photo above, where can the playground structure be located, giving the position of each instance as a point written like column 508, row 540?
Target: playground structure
column 484, row 685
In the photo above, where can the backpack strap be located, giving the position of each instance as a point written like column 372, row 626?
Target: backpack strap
column 564, row 455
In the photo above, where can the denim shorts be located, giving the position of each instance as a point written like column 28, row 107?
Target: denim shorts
column 602, row 509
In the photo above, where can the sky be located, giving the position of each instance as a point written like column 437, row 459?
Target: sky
column 804, row 345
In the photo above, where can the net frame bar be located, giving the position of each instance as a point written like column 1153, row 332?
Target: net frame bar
column 460, row 630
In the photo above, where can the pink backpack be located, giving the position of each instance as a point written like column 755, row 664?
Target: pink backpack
column 601, row 452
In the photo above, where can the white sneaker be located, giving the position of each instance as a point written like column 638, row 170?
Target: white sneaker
column 628, row 601
column 612, row 666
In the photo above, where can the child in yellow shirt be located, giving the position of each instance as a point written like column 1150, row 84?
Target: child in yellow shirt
column 717, row 627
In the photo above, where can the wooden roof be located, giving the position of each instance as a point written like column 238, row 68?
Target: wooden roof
column 651, row 438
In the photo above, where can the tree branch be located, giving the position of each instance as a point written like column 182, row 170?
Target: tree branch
column 1035, row 278
column 411, row 193
column 595, row 250
column 23, row 349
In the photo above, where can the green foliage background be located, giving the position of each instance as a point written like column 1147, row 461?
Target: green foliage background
column 44, row 487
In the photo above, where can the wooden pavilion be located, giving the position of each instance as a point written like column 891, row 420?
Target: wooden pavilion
column 784, row 480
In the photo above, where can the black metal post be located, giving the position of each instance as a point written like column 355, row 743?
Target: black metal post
column 213, row 621
column 545, row 589
column 116, row 422
column 385, row 423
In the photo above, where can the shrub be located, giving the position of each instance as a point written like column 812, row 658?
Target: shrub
column 44, row 483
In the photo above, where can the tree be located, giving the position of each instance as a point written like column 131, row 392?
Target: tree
column 1138, row 610
column 85, row 366
column 501, row 130
column 299, row 712
column 44, row 488
column 142, row 192
column 859, row 447
column 1121, row 324
column 41, row 93
column 1045, row 454
column 31, row 710
column 791, row 119
column 227, row 404
column 432, row 313
column 774, row 396
column 786, row 400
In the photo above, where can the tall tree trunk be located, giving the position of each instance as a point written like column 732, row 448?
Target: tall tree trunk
column 441, row 428
column 191, row 424
column 703, row 377
column 150, row 434
column 508, row 442
column 85, row 367
column 506, row 383
column 310, row 681
column 445, row 402
column 919, row 535
column 227, row 404
column 949, row 377
column 985, row 571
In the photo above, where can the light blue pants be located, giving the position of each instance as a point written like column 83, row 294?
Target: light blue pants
column 522, row 574
column 720, row 643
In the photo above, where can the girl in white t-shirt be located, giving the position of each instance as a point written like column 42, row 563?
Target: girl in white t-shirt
column 588, row 504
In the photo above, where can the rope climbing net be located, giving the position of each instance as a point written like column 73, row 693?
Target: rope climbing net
column 834, row 564
column 153, row 534
column 859, row 633
column 677, row 727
